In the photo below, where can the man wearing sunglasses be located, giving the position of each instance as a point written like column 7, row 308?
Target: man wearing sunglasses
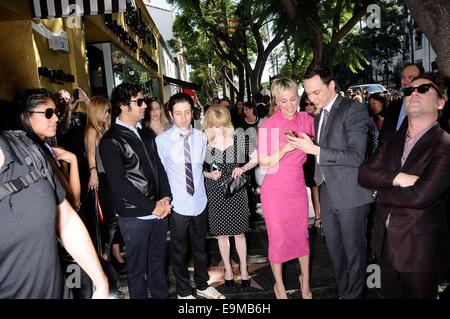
column 396, row 118
column 411, row 173
column 141, row 192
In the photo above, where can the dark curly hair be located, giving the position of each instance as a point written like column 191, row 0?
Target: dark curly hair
column 121, row 95
column 180, row 98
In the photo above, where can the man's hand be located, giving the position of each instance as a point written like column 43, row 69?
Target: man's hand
column 405, row 180
column 304, row 143
column 162, row 208
column 165, row 201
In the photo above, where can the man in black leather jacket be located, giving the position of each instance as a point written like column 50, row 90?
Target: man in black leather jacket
column 141, row 192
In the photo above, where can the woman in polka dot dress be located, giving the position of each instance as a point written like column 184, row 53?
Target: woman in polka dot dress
column 226, row 152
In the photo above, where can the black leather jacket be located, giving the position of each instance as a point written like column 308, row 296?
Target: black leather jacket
column 134, row 171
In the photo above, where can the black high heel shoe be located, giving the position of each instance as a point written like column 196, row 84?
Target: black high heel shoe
column 228, row 283
column 245, row 283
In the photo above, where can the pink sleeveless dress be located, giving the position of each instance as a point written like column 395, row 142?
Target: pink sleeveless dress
column 283, row 192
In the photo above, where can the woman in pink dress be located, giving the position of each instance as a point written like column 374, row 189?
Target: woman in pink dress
column 283, row 192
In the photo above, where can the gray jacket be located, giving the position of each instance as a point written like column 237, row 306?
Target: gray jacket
column 342, row 151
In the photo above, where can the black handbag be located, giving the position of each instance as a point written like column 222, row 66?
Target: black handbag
column 233, row 185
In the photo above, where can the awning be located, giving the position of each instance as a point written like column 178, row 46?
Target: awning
column 183, row 84
column 47, row 9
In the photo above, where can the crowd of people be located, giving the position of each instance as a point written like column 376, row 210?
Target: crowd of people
column 377, row 168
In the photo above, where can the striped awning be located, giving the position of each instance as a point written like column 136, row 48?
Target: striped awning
column 46, row 9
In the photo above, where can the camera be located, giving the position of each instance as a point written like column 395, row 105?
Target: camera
column 290, row 133
column 76, row 94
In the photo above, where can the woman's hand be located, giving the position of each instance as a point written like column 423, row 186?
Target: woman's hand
column 93, row 180
column 214, row 175
column 286, row 148
column 82, row 96
column 63, row 155
column 238, row 171
column 102, row 290
column 304, row 143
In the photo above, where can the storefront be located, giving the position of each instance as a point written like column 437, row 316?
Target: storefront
column 63, row 44
column 123, row 48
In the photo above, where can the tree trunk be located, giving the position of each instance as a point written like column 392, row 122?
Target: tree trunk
column 433, row 18
column 241, row 75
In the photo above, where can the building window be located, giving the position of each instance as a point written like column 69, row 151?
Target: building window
column 420, row 62
column 418, row 39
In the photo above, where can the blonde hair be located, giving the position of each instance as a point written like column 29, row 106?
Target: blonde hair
column 97, row 107
column 281, row 85
column 217, row 116
column 273, row 105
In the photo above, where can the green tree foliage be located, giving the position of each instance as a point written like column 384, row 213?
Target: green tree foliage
column 234, row 31
column 324, row 24
column 381, row 44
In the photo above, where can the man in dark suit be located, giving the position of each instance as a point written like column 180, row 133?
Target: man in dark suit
column 341, row 131
column 411, row 172
column 395, row 117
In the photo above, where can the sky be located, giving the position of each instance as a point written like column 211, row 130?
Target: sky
column 160, row 3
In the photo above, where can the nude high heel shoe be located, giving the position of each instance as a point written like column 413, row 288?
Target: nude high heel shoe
column 309, row 294
column 282, row 295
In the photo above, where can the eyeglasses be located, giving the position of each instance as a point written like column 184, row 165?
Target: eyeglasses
column 48, row 113
column 138, row 101
column 422, row 89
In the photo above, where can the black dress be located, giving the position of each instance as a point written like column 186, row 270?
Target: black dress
column 227, row 216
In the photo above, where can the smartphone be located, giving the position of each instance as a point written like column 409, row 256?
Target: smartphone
column 76, row 94
column 290, row 133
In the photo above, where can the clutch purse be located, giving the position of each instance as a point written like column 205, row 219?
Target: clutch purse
column 233, row 185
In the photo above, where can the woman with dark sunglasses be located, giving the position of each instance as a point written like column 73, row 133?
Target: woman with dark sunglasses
column 38, row 117
column 41, row 214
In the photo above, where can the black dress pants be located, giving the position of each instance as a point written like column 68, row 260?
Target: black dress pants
column 345, row 233
column 188, row 231
column 405, row 285
column 146, row 256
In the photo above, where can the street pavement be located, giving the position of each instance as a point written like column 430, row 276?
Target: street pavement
column 262, row 282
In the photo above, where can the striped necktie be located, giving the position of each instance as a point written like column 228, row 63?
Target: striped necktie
column 188, row 166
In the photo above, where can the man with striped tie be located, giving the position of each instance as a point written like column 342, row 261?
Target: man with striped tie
column 182, row 150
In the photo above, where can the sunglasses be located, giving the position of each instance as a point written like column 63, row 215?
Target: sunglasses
column 138, row 101
column 422, row 89
column 48, row 113
column 308, row 104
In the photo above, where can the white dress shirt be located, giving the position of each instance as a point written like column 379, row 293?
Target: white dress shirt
column 171, row 151
column 328, row 108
